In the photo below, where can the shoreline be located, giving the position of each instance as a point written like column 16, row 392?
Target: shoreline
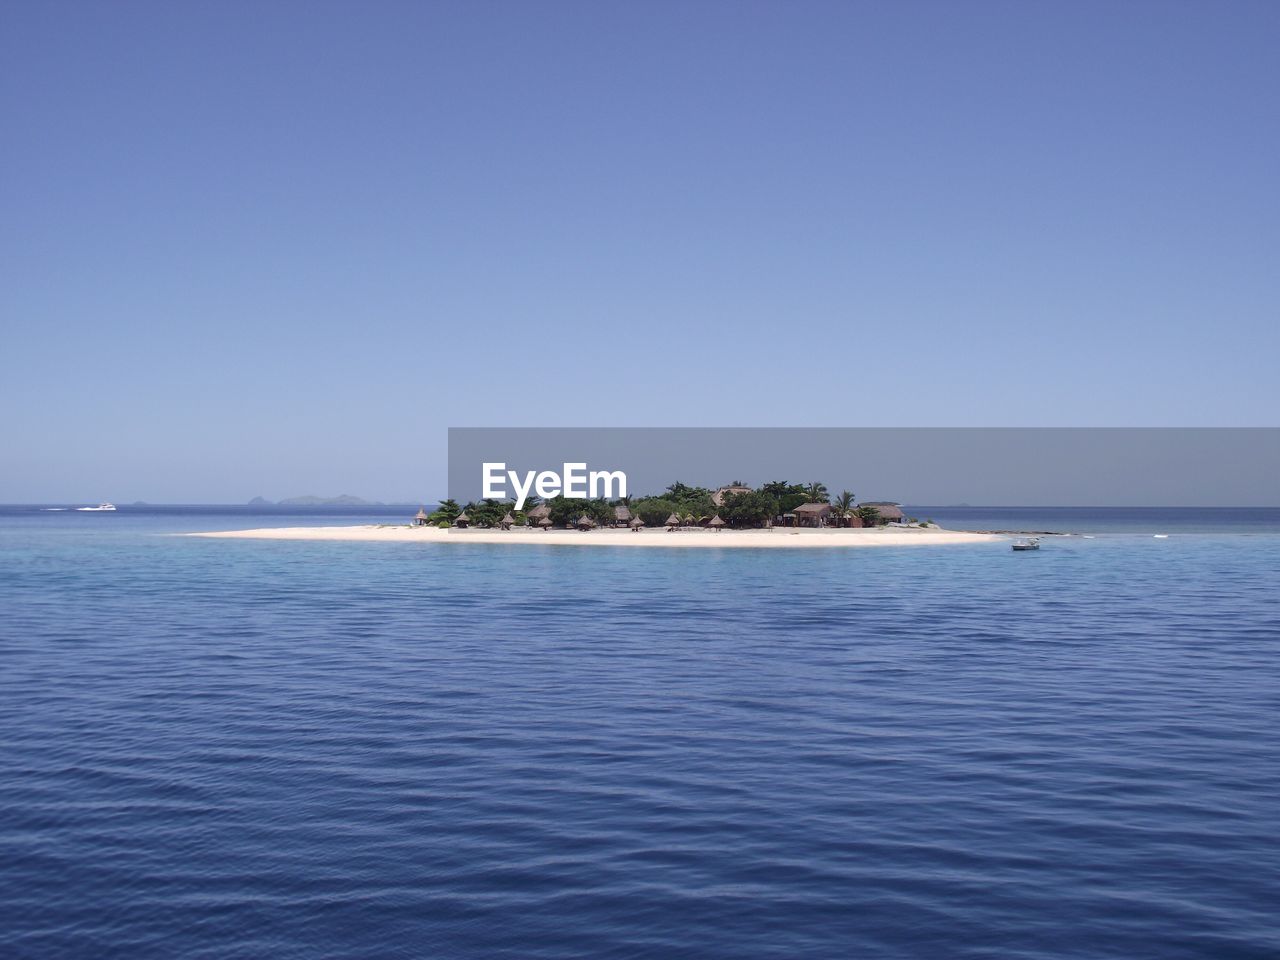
column 778, row 538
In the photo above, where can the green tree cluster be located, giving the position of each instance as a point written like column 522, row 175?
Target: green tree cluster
column 748, row 509
column 738, row 510
column 680, row 499
column 566, row 511
column 489, row 512
column 447, row 512
column 654, row 510
column 792, row 495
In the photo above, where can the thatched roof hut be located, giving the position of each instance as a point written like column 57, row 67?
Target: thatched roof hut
column 420, row 518
column 586, row 523
column 507, row 522
column 673, row 521
column 716, row 523
column 812, row 514
column 732, row 489
column 813, row 510
column 462, row 520
column 636, row 523
column 622, row 514
column 889, row 512
column 538, row 513
column 545, row 523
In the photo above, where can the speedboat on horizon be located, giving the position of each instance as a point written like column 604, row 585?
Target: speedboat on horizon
column 100, row 508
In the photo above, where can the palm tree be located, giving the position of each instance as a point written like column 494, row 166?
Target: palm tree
column 447, row 511
column 817, row 492
column 843, row 505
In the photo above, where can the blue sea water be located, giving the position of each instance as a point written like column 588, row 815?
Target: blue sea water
column 225, row 748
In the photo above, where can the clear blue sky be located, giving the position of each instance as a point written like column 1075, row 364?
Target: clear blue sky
column 278, row 248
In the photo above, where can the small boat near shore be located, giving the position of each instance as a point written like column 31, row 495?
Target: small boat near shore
column 1027, row 543
column 100, row 508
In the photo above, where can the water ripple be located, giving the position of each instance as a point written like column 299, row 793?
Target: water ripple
column 225, row 749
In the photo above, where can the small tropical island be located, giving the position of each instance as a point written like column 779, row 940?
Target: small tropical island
column 776, row 514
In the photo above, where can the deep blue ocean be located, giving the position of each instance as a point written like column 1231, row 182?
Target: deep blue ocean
column 272, row 749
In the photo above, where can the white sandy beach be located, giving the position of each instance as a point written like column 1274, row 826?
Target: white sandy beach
column 779, row 538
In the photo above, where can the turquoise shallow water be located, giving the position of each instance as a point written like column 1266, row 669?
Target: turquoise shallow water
column 214, row 748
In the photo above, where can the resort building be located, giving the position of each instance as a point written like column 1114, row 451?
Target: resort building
column 621, row 515
column 889, row 512
column 812, row 514
column 718, row 497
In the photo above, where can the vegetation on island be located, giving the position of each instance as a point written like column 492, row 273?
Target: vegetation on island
column 740, row 506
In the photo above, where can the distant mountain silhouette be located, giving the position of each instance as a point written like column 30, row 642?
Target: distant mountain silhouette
column 345, row 500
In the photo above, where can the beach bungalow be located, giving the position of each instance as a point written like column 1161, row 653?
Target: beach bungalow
column 812, row 514
column 621, row 515
column 889, row 512
column 716, row 523
column 420, row 519
column 538, row 514
column 734, row 488
column 586, row 523
column 507, row 522
column 463, row 521
column 545, row 523
column 672, row 522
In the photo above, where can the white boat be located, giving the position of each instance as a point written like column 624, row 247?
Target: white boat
column 1030, row 543
column 100, row 508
